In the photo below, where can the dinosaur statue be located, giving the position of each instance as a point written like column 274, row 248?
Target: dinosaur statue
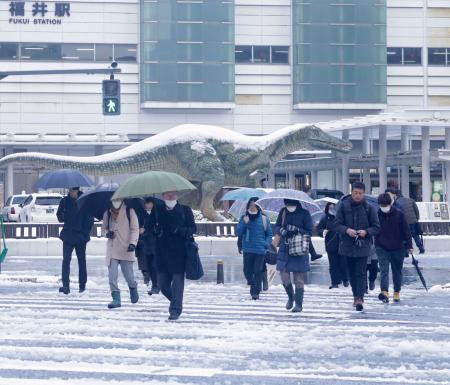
column 210, row 155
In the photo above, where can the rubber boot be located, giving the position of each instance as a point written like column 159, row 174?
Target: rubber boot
column 298, row 300
column 265, row 282
column 134, row 295
column 290, row 293
column 115, row 300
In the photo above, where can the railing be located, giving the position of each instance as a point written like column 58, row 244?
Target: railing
column 207, row 229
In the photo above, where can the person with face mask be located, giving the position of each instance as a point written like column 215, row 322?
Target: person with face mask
column 337, row 263
column 74, row 235
column 293, row 220
column 176, row 228
column 149, row 234
column 393, row 243
column 256, row 232
column 356, row 223
column 121, row 228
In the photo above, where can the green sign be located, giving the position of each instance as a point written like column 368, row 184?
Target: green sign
column 111, row 106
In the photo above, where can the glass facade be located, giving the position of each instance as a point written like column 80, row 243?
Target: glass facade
column 339, row 52
column 187, row 51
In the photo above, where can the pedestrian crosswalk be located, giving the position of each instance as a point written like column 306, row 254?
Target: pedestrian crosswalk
column 223, row 337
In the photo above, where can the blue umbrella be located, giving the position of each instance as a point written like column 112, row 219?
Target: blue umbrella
column 63, row 179
column 274, row 201
column 243, row 194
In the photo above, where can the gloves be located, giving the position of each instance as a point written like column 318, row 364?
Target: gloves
column 110, row 235
column 131, row 247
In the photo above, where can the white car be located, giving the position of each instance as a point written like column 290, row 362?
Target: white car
column 10, row 211
column 40, row 208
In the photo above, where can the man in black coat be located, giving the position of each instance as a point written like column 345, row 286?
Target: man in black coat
column 75, row 235
column 151, row 228
column 356, row 223
column 177, row 226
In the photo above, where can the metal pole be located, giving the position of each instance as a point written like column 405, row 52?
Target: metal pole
column 366, row 151
column 382, row 154
column 345, row 165
column 426, row 165
column 404, row 185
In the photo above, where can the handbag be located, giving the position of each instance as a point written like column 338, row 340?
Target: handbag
column 194, row 268
column 298, row 245
column 271, row 255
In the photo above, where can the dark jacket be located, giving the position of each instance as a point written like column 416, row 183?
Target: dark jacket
column 254, row 238
column 357, row 216
column 77, row 225
column 150, row 232
column 394, row 231
column 300, row 218
column 177, row 226
column 409, row 208
column 328, row 222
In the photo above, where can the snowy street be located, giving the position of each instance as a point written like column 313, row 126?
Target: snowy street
column 223, row 337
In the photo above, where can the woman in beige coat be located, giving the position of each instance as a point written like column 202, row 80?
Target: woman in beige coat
column 121, row 227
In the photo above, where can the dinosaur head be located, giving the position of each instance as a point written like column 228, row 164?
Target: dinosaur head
column 320, row 140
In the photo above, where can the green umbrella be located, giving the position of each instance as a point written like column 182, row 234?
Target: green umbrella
column 152, row 182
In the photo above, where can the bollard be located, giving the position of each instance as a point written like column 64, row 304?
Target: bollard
column 220, row 275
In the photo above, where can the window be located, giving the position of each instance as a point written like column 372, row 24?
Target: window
column 47, row 201
column 261, row 54
column 28, row 200
column 280, row 55
column 75, row 52
column 8, row 51
column 8, row 202
column 125, row 52
column 40, row 51
column 404, row 56
column 68, row 52
column 439, row 56
column 247, row 54
column 243, row 53
column 18, row 200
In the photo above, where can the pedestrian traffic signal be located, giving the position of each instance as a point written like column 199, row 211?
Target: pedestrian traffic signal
column 111, row 97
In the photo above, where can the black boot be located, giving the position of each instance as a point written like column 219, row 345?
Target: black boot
column 290, row 293
column 298, row 300
column 265, row 282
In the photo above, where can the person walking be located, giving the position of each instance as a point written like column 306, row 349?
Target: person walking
column 149, row 235
column 177, row 226
column 121, row 228
column 393, row 243
column 372, row 269
column 312, row 251
column 293, row 223
column 338, row 264
column 256, row 232
column 411, row 212
column 75, row 235
column 357, row 224
column 140, row 247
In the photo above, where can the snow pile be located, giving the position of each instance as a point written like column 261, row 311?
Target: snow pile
column 440, row 289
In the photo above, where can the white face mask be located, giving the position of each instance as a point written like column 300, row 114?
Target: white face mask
column 253, row 212
column 291, row 209
column 385, row 209
column 149, row 212
column 117, row 203
column 170, row 204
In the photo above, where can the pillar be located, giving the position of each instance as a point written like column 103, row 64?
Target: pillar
column 366, row 150
column 426, row 165
column 382, row 154
column 345, row 165
column 9, row 190
column 338, row 178
column 99, row 179
column 447, row 165
column 404, row 176
column 314, row 179
column 291, row 180
column 271, row 183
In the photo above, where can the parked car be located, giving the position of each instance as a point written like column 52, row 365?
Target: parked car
column 40, row 207
column 10, row 211
column 324, row 193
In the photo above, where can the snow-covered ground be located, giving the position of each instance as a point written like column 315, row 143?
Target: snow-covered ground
column 222, row 337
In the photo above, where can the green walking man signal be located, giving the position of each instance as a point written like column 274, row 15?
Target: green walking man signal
column 111, row 97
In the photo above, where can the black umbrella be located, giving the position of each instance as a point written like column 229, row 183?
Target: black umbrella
column 96, row 201
column 415, row 262
column 63, row 179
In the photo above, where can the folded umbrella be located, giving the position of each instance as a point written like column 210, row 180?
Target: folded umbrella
column 152, row 182
column 63, row 178
column 415, row 262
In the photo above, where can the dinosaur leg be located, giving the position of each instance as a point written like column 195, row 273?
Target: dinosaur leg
column 209, row 192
